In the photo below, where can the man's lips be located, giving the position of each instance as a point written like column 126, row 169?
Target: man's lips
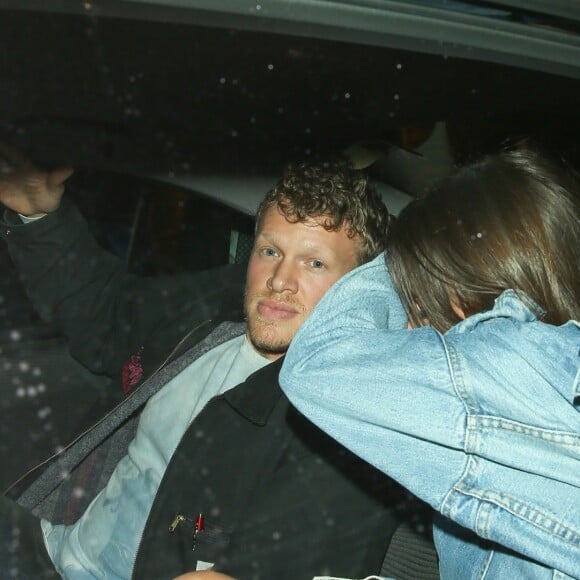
column 274, row 310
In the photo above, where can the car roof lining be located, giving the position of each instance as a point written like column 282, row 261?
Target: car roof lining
column 375, row 22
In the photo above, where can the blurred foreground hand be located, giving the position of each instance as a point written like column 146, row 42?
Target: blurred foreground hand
column 204, row 575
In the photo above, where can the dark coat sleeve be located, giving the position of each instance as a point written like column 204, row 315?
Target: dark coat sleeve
column 105, row 314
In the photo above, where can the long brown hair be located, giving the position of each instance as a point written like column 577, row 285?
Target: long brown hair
column 508, row 221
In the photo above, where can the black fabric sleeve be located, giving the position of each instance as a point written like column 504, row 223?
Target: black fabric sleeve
column 105, row 314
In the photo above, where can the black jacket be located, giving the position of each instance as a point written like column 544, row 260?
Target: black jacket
column 279, row 498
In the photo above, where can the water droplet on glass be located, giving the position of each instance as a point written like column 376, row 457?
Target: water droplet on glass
column 78, row 492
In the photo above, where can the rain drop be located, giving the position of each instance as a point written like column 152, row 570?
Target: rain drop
column 44, row 412
column 78, row 492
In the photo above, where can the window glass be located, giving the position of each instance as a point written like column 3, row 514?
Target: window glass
column 179, row 116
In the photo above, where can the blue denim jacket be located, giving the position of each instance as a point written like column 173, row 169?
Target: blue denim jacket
column 482, row 422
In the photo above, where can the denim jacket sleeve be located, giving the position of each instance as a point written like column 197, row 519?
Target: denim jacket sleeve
column 465, row 421
column 344, row 372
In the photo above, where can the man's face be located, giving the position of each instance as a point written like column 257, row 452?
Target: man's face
column 292, row 266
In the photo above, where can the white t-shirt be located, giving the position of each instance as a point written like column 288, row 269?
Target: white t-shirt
column 103, row 543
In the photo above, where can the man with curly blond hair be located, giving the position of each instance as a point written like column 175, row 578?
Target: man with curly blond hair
column 205, row 463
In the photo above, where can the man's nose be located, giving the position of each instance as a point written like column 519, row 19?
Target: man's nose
column 284, row 278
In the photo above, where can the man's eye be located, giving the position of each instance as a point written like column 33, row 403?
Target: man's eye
column 268, row 252
column 317, row 264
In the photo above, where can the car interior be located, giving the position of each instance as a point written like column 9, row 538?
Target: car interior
column 178, row 116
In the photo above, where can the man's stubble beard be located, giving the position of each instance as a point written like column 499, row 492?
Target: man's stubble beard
column 269, row 337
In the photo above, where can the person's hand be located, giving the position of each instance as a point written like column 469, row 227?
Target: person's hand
column 204, row 575
column 26, row 189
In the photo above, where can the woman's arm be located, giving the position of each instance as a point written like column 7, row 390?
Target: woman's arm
column 383, row 391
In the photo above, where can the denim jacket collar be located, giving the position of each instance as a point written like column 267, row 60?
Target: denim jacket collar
column 509, row 304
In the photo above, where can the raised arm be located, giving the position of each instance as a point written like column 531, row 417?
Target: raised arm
column 105, row 314
column 355, row 371
column 466, row 422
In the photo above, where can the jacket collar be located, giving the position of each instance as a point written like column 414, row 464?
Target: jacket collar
column 257, row 396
